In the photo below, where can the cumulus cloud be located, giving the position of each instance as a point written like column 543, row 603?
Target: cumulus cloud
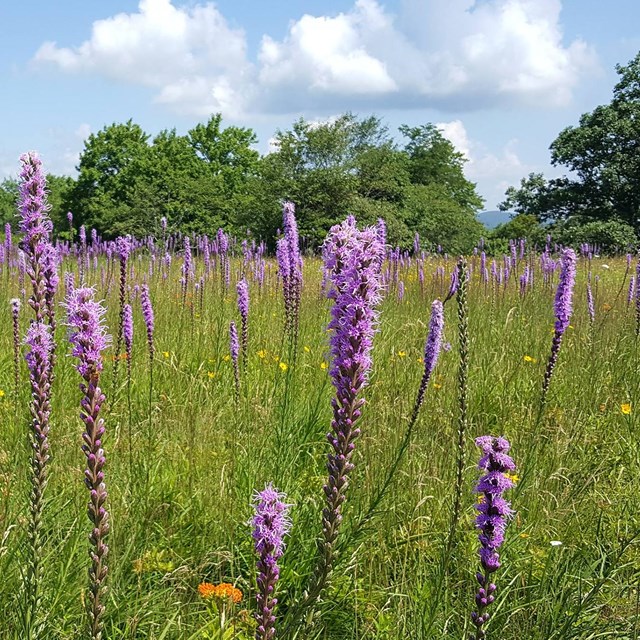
column 190, row 55
column 493, row 171
column 448, row 54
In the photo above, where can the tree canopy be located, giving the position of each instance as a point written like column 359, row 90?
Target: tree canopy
column 212, row 177
column 602, row 156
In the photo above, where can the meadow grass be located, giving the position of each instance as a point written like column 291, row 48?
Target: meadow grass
column 182, row 466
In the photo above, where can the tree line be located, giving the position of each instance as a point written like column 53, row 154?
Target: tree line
column 212, row 177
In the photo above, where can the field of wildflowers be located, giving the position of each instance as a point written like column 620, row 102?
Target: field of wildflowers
column 199, row 440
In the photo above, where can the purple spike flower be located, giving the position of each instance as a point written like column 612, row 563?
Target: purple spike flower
column 147, row 314
column 562, row 308
column 638, row 299
column 242, row 289
column 34, row 260
column 234, row 348
column 353, row 259
column 15, row 321
column 290, row 267
column 35, row 223
column 88, row 337
column 128, row 336
column 271, row 524
column 123, row 249
column 590, row 304
column 494, row 513
column 40, row 343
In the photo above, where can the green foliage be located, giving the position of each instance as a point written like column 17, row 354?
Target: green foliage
column 8, row 199
column 179, row 514
column 439, row 220
column 522, row 225
column 213, row 177
column 196, row 181
column 611, row 236
column 602, row 154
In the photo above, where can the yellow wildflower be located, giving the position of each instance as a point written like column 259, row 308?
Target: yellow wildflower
column 227, row 358
column 166, row 354
column 2, row 394
column 262, row 353
column 625, row 407
column 513, row 477
column 307, row 349
column 324, row 365
column 437, row 386
column 283, row 366
column 211, row 374
column 529, row 359
column 402, row 354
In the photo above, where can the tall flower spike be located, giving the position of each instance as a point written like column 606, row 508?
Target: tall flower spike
column 242, row 289
column 35, row 261
column 270, row 525
column 563, row 307
column 39, row 340
column 234, row 348
column 123, row 249
column 88, row 337
column 353, row 261
column 147, row 314
column 15, row 321
column 432, row 349
column 127, row 330
column 493, row 515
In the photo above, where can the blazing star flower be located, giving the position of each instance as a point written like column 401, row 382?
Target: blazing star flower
column 147, row 314
column 234, row 348
column 353, row 261
column 271, row 524
column 128, row 335
column 563, row 307
column 88, row 337
column 493, row 515
column 242, row 289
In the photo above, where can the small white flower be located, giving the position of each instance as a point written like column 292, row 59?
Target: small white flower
column 605, row 266
column 555, row 543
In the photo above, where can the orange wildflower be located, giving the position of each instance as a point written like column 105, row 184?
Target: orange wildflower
column 223, row 591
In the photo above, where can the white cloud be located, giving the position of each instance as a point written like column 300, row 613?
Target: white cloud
column 186, row 54
column 449, row 54
column 493, row 171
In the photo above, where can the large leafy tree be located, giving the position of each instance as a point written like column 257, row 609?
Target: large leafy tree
column 351, row 165
column 198, row 181
column 602, row 154
column 8, row 200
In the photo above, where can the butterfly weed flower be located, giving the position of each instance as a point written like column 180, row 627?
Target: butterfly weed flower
column 271, row 524
column 88, row 338
column 493, row 515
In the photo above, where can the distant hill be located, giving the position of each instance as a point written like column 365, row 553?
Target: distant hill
column 492, row 219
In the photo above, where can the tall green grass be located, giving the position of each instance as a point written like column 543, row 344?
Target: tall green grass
column 180, row 505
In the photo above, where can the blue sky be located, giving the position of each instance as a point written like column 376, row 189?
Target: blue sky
column 501, row 77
